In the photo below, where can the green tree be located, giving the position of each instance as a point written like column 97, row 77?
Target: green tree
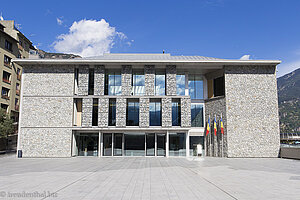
column 6, row 124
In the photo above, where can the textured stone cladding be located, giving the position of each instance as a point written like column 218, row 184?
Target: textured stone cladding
column 83, row 80
column 99, row 74
column 185, row 112
column 126, row 80
column 49, row 80
column 46, row 142
column 121, row 112
column 103, row 112
column 216, row 145
column 166, row 112
column 149, row 79
column 47, row 111
column 171, row 79
column 252, row 111
column 144, row 112
column 87, row 111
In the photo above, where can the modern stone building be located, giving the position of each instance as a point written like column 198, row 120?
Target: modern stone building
column 148, row 105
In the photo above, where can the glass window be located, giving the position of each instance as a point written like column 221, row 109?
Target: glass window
column 132, row 114
column 134, row 144
column 150, row 144
column 177, row 145
column 180, row 84
column 6, row 77
column 8, row 45
column 196, row 145
column 195, row 86
column 7, row 60
column 155, row 112
column 91, row 81
column 138, row 82
column 95, row 113
column 5, row 93
column 197, row 115
column 161, row 144
column 113, row 83
column 219, row 86
column 87, row 144
column 118, row 138
column 176, row 112
column 160, row 82
column 112, row 112
column 107, row 144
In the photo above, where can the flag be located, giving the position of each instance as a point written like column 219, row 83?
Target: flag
column 222, row 127
column 215, row 126
column 208, row 126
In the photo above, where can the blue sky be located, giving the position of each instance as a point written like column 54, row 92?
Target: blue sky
column 263, row 29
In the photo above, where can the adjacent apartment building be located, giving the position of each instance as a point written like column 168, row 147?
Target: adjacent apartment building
column 148, row 105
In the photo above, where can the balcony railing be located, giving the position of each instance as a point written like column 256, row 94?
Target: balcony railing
column 6, row 80
column 7, row 64
column 4, row 96
column 18, row 92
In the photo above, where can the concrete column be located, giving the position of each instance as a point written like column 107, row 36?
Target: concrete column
column 126, row 80
column 99, row 75
column 83, row 79
column 87, row 111
column 149, row 79
column 171, row 80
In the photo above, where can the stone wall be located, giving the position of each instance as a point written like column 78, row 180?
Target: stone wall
column 144, row 112
column 121, row 104
column 99, row 74
column 171, row 80
column 166, row 112
column 252, row 111
column 87, row 111
column 83, row 80
column 149, row 79
column 185, row 112
column 126, row 80
column 103, row 107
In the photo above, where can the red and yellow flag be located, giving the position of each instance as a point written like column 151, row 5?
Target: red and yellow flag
column 222, row 127
column 215, row 126
column 208, row 126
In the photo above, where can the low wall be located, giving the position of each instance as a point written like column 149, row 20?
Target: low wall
column 290, row 152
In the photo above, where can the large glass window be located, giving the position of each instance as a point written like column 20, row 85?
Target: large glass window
column 155, row 112
column 138, row 82
column 132, row 114
column 118, row 138
column 177, row 145
column 8, row 45
column 196, row 145
column 91, row 81
column 107, row 144
column 219, row 86
column 160, row 82
column 112, row 112
column 95, row 113
column 150, row 144
column 134, row 144
column 161, row 144
column 197, row 115
column 113, row 83
column 195, row 86
column 87, row 144
column 176, row 112
column 180, row 84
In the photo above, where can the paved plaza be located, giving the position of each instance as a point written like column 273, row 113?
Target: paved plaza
column 149, row 178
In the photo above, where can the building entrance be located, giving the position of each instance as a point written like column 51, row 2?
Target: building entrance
column 87, row 144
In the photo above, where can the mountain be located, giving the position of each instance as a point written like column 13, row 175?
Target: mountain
column 40, row 54
column 289, row 102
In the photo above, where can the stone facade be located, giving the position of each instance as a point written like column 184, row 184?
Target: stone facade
column 87, row 111
column 185, row 111
column 144, row 112
column 171, row 80
column 99, row 75
column 121, row 104
column 149, row 79
column 126, row 80
column 83, row 80
column 103, row 107
column 252, row 111
column 166, row 104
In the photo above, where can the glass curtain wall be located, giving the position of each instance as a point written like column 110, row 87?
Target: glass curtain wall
column 155, row 112
column 113, row 83
column 160, row 82
column 176, row 112
column 132, row 114
column 177, row 145
column 134, row 144
column 112, row 112
column 195, row 86
column 180, row 83
column 138, row 82
column 197, row 115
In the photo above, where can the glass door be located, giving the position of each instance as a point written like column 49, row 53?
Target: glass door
column 161, row 144
column 150, row 144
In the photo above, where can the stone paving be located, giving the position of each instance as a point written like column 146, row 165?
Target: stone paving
column 149, row 178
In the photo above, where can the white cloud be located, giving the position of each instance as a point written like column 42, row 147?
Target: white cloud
column 245, row 57
column 88, row 38
column 59, row 21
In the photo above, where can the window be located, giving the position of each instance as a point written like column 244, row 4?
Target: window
column 196, row 145
column 113, row 84
column 112, row 112
column 95, row 113
column 138, row 82
column 176, row 112
column 197, row 115
column 77, row 112
column 17, row 89
column 160, row 82
column 132, row 114
column 16, row 104
column 219, row 86
column 8, row 45
column 6, row 77
column 91, row 81
column 180, row 84
column 5, row 93
column 7, row 61
column 19, row 74
column 195, row 86
column 155, row 112
column 4, row 106
column 177, row 144
column 76, row 81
